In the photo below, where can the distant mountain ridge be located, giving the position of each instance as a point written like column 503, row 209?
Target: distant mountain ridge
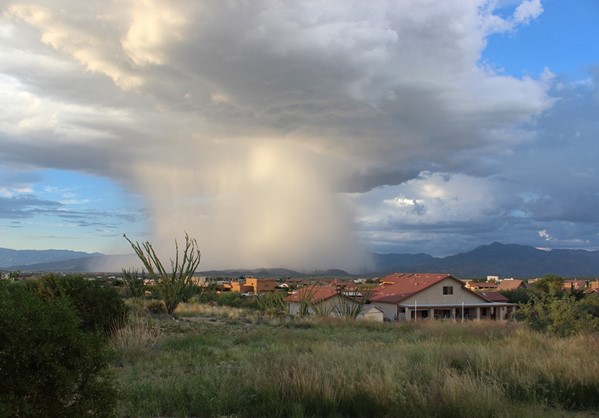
column 10, row 258
column 505, row 260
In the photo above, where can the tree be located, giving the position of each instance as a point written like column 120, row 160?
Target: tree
column 550, row 284
column 520, row 295
column 562, row 316
column 99, row 305
column 175, row 286
column 49, row 365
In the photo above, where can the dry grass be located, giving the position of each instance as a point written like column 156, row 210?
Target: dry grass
column 333, row 367
column 137, row 337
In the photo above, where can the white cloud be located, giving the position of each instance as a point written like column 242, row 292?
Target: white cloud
column 245, row 118
column 528, row 10
column 154, row 26
column 80, row 43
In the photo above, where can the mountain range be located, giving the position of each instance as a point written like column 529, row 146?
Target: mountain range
column 504, row 260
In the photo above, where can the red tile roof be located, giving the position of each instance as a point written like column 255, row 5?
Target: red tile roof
column 399, row 286
column 313, row 294
column 401, row 277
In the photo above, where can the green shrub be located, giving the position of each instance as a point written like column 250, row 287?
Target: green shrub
column 155, row 306
column 236, row 300
column 99, row 306
column 48, row 365
column 134, row 282
column 558, row 315
column 272, row 303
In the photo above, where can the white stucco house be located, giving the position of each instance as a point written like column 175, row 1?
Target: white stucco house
column 414, row 296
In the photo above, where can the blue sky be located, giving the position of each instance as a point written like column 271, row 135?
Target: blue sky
column 299, row 134
column 563, row 39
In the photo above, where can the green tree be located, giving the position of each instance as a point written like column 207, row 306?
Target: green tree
column 98, row 304
column 174, row 286
column 520, row 295
column 550, row 284
column 558, row 315
column 49, row 366
column 589, row 305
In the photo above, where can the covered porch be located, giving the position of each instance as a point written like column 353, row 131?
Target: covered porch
column 459, row 312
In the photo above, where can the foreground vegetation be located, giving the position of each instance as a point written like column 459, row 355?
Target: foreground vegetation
column 72, row 347
column 220, row 361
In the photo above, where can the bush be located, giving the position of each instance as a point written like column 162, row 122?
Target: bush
column 236, row 300
column 558, row 315
column 99, row 306
column 155, row 306
column 134, row 283
column 48, row 365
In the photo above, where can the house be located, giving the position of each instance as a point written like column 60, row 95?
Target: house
column 481, row 286
column 511, row 284
column 576, row 284
column 262, row 285
column 326, row 301
column 371, row 312
column 252, row 285
column 413, row 296
column 494, row 296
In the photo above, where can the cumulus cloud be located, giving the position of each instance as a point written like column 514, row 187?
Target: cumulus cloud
column 528, row 10
column 241, row 121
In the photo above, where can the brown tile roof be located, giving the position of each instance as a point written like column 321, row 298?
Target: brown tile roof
column 399, row 286
column 510, row 284
column 494, row 296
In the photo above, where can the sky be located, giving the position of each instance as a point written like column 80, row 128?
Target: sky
column 303, row 134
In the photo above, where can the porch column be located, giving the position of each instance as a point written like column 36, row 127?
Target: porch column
column 408, row 314
column 478, row 313
column 431, row 313
column 452, row 314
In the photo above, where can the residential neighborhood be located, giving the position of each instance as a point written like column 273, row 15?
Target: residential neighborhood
column 403, row 297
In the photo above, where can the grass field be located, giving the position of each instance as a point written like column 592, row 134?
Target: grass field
column 216, row 361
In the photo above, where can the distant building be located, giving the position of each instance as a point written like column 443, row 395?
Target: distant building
column 481, row 286
column 576, row 284
column 253, row 285
column 511, row 284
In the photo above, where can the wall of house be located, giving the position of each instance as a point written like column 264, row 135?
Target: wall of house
column 260, row 285
column 371, row 315
column 389, row 310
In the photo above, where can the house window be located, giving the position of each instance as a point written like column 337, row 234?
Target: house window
column 448, row 290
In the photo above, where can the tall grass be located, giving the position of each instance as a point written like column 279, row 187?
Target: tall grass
column 346, row 368
column 139, row 336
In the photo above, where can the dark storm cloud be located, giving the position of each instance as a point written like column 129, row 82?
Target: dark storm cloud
column 208, row 107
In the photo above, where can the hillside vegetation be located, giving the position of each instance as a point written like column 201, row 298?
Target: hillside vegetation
column 72, row 347
column 222, row 361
